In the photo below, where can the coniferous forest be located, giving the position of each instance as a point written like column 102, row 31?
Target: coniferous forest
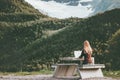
column 31, row 41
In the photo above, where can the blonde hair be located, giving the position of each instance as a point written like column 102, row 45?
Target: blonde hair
column 87, row 47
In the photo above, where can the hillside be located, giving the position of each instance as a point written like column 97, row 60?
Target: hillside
column 16, row 6
column 20, row 25
column 31, row 41
column 18, row 11
column 97, row 29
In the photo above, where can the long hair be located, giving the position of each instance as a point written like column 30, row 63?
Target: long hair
column 87, row 47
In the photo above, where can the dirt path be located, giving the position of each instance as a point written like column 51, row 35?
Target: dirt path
column 45, row 77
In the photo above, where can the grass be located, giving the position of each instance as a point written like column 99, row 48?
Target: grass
column 41, row 72
column 113, row 74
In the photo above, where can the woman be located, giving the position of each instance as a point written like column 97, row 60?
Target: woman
column 86, row 53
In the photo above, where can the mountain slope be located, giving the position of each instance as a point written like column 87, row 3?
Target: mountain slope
column 104, row 5
column 20, row 25
column 97, row 29
column 18, row 11
column 32, row 41
column 12, row 6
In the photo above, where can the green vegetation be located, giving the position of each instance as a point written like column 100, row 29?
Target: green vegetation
column 113, row 74
column 71, row 38
column 114, row 50
column 31, row 41
column 16, row 6
column 46, row 72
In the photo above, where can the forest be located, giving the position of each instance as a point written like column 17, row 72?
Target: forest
column 31, row 41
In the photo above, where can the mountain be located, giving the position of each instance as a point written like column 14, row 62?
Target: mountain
column 69, row 2
column 19, row 22
column 97, row 29
column 73, row 8
column 30, row 40
column 104, row 5
column 20, row 25
column 62, row 8
column 18, row 11
column 16, row 6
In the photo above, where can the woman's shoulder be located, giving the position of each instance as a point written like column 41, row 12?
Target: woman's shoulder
column 83, row 49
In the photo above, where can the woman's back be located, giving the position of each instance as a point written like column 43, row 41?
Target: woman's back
column 86, row 52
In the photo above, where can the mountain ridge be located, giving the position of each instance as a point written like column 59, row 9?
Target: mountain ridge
column 18, row 11
column 19, row 6
column 101, row 6
column 56, row 8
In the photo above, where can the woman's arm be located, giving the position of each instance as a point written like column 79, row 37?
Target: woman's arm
column 82, row 54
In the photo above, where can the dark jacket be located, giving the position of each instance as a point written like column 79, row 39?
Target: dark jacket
column 87, row 57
